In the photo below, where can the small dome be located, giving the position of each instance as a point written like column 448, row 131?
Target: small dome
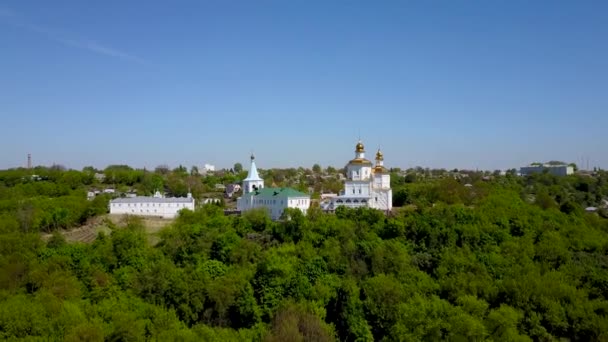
column 359, row 147
column 379, row 155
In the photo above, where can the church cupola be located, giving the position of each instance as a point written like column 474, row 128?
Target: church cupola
column 379, row 157
column 379, row 169
column 253, row 181
column 360, row 150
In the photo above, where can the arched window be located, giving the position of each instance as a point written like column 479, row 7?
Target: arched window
column 348, row 201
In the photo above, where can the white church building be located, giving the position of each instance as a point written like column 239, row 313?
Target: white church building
column 366, row 185
column 165, row 207
column 275, row 200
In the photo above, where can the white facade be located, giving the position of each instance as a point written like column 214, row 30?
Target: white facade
column 253, row 181
column 151, row 206
column 208, row 168
column 365, row 185
column 557, row 170
column 275, row 200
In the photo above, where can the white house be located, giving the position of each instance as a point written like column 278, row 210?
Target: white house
column 557, row 170
column 207, row 168
column 151, row 206
column 255, row 195
column 365, row 185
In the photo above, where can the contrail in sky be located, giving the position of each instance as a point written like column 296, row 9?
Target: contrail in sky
column 12, row 18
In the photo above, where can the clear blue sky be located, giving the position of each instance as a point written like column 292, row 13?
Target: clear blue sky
column 466, row 84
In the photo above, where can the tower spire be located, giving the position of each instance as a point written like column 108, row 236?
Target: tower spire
column 253, row 180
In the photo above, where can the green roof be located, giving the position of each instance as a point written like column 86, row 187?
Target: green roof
column 269, row 192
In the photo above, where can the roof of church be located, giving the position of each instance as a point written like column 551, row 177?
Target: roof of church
column 380, row 169
column 360, row 161
column 253, row 172
column 268, row 192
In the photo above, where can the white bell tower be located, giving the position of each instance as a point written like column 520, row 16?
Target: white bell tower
column 253, row 181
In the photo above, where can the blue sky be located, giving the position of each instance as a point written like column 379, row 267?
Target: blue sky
column 465, row 84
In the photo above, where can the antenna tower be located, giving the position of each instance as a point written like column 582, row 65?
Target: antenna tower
column 29, row 161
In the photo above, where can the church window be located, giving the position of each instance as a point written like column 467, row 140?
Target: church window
column 376, row 199
column 353, row 191
column 359, row 190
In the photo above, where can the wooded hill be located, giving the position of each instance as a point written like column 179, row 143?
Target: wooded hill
column 486, row 262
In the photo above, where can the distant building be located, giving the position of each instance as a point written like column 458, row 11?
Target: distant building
column 275, row 200
column 208, row 168
column 151, row 206
column 557, row 170
column 231, row 189
column 109, row 191
column 366, row 185
column 328, row 196
column 100, row 177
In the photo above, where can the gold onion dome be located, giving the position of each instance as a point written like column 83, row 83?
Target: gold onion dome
column 359, row 147
column 379, row 155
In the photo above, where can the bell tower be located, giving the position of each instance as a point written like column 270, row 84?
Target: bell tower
column 253, row 181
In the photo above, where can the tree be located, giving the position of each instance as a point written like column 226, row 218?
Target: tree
column 162, row 169
column 238, row 167
column 316, row 168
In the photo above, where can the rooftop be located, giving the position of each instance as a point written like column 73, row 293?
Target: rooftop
column 268, row 192
column 146, row 199
column 253, row 175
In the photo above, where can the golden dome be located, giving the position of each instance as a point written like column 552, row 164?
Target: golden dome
column 359, row 147
column 379, row 155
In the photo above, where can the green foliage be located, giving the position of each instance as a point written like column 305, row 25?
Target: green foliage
column 506, row 259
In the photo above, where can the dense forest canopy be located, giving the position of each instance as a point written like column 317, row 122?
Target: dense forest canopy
column 466, row 256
